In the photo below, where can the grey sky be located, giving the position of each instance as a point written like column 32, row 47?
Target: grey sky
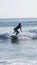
column 18, row 8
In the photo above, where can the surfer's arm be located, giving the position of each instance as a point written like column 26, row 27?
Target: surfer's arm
column 21, row 30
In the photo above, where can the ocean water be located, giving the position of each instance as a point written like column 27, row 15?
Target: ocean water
column 23, row 52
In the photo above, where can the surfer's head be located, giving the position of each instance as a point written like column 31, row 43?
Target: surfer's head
column 19, row 23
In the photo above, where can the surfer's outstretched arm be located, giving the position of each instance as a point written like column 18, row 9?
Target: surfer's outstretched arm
column 21, row 30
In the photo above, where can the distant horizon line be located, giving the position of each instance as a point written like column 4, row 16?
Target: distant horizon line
column 21, row 18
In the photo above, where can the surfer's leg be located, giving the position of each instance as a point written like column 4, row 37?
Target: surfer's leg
column 17, row 32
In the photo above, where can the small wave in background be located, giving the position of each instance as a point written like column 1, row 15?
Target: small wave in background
column 28, row 33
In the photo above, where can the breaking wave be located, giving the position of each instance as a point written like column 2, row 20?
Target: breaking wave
column 28, row 33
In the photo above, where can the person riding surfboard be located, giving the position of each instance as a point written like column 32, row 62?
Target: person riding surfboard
column 18, row 27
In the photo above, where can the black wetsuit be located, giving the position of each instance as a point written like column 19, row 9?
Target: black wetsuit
column 16, row 28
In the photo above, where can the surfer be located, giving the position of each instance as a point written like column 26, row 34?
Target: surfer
column 18, row 27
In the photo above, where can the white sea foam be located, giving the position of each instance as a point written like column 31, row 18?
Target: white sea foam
column 18, row 62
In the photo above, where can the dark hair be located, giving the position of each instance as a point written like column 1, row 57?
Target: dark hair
column 19, row 23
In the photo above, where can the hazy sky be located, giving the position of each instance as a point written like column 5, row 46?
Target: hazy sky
column 18, row 8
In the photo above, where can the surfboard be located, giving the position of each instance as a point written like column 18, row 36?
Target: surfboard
column 14, row 38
